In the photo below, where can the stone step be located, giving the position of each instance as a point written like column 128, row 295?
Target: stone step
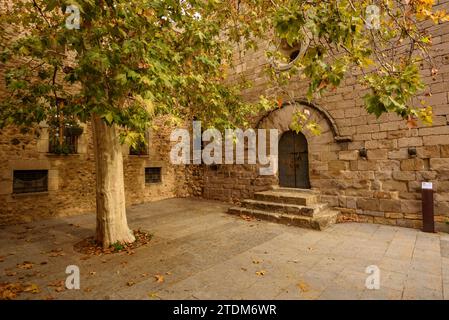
column 325, row 219
column 285, row 208
column 298, row 197
column 295, row 190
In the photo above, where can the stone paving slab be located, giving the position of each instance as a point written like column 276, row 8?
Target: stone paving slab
column 203, row 253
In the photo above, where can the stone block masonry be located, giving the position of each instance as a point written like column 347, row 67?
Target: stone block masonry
column 383, row 187
column 71, row 179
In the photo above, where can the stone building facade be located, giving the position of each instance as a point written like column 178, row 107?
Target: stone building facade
column 383, row 186
column 70, row 179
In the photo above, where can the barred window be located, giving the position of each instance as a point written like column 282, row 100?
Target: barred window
column 28, row 181
column 68, row 144
column 153, row 175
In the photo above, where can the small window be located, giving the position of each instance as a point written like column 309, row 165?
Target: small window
column 68, row 143
column 153, row 175
column 28, row 181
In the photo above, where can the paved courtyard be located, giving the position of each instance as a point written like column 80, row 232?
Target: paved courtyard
column 200, row 252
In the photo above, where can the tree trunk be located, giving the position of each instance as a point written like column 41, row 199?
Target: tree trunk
column 112, row 225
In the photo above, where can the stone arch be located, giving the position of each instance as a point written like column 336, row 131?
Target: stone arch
column 322, row 148
column 313, row 108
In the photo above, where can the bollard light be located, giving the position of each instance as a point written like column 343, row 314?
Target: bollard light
column 427, row 207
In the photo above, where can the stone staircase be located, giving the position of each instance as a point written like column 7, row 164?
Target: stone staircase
column 296, row 207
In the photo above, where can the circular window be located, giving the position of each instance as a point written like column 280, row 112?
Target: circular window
column 284, row 55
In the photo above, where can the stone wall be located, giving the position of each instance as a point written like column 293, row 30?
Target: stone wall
column 71, row 180
column 383, row 188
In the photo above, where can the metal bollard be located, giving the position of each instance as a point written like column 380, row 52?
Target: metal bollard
column 427, row 207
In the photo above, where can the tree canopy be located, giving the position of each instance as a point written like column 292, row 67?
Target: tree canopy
column 132, row 60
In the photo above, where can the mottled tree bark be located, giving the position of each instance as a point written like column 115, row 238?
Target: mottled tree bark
column 112, row 225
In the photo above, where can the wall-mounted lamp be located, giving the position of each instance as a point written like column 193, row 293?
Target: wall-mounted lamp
column 363, row 153
column 412, row 152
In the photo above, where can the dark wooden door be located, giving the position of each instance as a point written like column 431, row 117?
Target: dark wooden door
column 293, row 161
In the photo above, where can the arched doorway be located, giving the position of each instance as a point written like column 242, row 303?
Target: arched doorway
column 293, row 161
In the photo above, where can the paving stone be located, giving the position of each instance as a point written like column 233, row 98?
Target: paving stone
column 204, row 253
column 381, row 294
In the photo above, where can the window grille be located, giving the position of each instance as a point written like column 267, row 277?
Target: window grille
column 153, row 175
column 28, row 181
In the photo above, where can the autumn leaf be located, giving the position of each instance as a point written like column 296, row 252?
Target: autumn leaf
column 32, row 288
column 159, row 278
column 246, row 218
column 304, row 287
column 59, row 285
column 25, row 265
column 153, row 295
column 9, row 291
column 130, row 283
column 412, row 123
column 261, row 273
column 56, row 253
column 280, row 102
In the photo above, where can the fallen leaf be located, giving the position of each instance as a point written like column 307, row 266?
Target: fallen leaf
column 246, row 218
column 261, row 273
column 59, row 285
column 92, row 273
column 244, row 269
column 304, row 287
column 130, row 283
column 32, row 288
column 256, row 261
column 25, row 265
column 159, row 278
column 153, row 295
column 56, row 253
column 9, row 291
